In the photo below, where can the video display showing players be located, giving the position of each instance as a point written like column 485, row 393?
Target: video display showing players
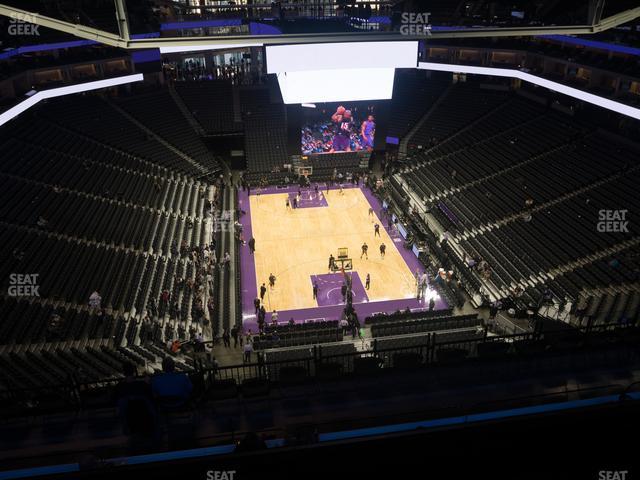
column 344, row 127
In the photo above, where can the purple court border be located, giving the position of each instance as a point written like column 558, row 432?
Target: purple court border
column 249, row 288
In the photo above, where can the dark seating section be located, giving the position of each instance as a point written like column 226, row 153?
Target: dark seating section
column 556, row 235
column 476, row 184
column 622, row 307
column 325, row 164
column 92, row 203
column 158, row 112
column 464, row 104
column 211, row 104
column 265, row 136
column 419, row 325
column 403, row 316
column 298, row 334
column 93, row 117
column 618, row 269
column 414, row 92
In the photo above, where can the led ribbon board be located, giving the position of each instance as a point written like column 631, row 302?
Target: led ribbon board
column 68, row 90
column 618, row 107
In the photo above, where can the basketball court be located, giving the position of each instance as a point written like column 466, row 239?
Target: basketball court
column 294, row 244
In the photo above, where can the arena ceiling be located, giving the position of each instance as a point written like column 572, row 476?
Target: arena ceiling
column 123, row 38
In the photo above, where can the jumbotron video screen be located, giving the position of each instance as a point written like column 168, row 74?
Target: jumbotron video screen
column 339, row 127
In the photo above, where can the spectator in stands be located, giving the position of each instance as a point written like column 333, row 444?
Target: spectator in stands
column 164, row 297
column 171, row 388
column 252, row 245
column 470, row 261
column 42, row 222
column 95, row 300
column 198, row 345
column 432, row 304
column 135, row 403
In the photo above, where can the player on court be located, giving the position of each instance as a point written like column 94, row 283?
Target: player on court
column 383, row 250
column 288, row 204
column 367, row 282
column 376, row 230
column 370, row 211
column 367, row 132
column 344, row 127
column 365, row 249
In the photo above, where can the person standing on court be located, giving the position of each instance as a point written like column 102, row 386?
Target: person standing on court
column 365, row 249
column 272, row 280
column 370, row 211
column 332, row 262
column 315, row 290
column 288, row 204
column 252, row 245
column 383, row 250
column 256, row 304
column 376, row 230
column 263, row 290
column 262, row 314
column 367, row 282
column 343, row 290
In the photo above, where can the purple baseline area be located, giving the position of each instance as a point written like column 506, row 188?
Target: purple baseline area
column 309, row 199
column 364, row 309
column 330, row 288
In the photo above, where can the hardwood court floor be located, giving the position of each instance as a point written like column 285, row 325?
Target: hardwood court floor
column 295, row 244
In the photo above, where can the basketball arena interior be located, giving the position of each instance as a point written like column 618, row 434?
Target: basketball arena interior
column 280, row 239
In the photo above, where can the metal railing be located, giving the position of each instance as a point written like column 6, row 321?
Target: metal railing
column 374, row 358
